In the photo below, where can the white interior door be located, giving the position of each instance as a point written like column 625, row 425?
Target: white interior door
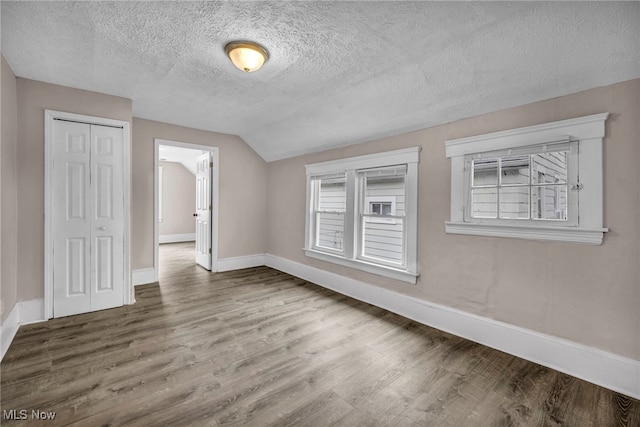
column 203, row 210
column 87, row 218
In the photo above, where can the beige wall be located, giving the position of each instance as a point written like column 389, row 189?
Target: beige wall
column 587, row 294
column 178, row 200
column 8, row 191
column 242, row 197
column 242, row 179
column 33, row 98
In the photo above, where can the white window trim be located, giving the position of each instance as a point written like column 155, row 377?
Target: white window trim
column 588, row 130
column 408, row 156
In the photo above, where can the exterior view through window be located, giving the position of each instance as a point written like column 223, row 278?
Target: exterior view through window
column 329, row 216
column 520, row 187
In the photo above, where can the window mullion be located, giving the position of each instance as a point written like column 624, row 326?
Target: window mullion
column 410, row 222
column 310, row 224
column 351, row 216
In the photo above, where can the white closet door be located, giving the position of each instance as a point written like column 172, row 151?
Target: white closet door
column 203, row 211
column 107, row 228
column 88, row 218
column 71, row 218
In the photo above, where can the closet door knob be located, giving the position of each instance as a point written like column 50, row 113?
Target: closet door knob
column 103, row 228
column 195, row 214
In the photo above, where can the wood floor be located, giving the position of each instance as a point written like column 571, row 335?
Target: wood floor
column 259, row 347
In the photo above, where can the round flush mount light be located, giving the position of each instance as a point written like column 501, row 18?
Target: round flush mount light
column 247, row 56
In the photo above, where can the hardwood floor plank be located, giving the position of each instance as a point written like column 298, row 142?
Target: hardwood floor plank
column 258, row 347
column 326, row 409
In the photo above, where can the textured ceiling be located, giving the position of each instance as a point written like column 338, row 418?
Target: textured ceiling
column 340, row 73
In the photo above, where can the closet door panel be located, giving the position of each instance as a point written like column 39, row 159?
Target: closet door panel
column 71, row 218
column 107, row 232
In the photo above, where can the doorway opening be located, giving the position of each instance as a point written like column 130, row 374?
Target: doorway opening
column 185, row 204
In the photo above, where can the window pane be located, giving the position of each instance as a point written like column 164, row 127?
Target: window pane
column 333, row 195
column 485, row 172
column 514, row 202
column 515, row 170
column 330, row 230
column 386, row 209
column 484, row 202
column 384, row 241
column 549, row 168
column 332, row 202
column 384, row 190
column 549, row 202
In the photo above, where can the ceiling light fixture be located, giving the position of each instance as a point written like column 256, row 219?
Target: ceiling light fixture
column 247, row 56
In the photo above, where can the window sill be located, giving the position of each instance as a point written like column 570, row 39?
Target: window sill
column 379, row 270
column 592, row 236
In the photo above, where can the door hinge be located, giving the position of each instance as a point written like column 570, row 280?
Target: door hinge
column 210, row 207
column 210, row 164
column 209, row 250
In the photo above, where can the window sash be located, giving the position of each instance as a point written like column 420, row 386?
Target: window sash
column 318, row 234
column 572, row 149
column 331, row 234
column 385, row 225
column 394, row 255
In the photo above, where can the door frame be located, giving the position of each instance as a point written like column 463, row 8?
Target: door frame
column 49, row 117
column 215, row 172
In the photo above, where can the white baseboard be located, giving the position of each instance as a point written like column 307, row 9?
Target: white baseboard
column 9, row 328
column 239, row 262
column 22, row 313
column 32, row 311
column 609, row 370
column 175, row 238
column 143, row 276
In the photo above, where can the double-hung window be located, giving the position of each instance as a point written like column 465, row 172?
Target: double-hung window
column 540, row 182
column 362, row 213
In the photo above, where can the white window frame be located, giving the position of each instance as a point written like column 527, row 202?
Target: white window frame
column 160, row 191
column 350, row 253
column 585, row 224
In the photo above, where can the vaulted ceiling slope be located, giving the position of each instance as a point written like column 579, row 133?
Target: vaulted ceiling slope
column 339, row 73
